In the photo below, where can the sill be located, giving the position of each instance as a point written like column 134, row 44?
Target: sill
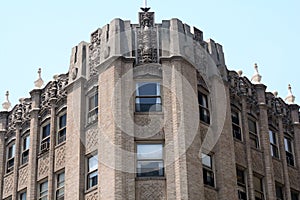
column 239, row 141
column 256, row 149
column 210, row 187
column 23, row 165
column 204, row 123
column 42, row 154
column 277, row 159
column 60, row 144
column 148, row 178
column 92, row 189
column 8, row 174
column 149, row 113
column 292, row 166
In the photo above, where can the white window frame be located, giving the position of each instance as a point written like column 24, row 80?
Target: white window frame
column 25, row 151
column 158, row 96
column 242, row 187
column 92, row 112
column 205, row 109
column 288, row 151
column 252, row 135
column 20, row 196
column 43, row 195
column 45, row 142
column 60, row 185
column 10, row 159
column 93, row 171
column 261, row 191
column 274, row 144
column 209, row 169
column 60, row 139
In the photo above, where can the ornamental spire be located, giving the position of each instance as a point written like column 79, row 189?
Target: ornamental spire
column 6, row 105
column 290, row 99
column 256, row 78
column 145, row 9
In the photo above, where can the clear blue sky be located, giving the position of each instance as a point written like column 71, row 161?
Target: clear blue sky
column 40, row 33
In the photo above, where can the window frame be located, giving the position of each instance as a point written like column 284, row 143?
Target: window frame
column 92, row 112
column 234, row 124
column 254, row 136
column 63, row 129
column 161, row 171
column 157, row 96
column 208, row 170
column 25, row 152
column 43, row 194
column 60, row 187
column 90, row 172
column 290, row 156
column 10, row 161
column 274, row 144
column 294, row 194
column 280, row 187
column 45, row 141
column 204, row 110
column 21, row 193
column 261, row 191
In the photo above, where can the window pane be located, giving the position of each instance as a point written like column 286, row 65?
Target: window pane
column 46, row 131
column 235, row 117
column 62, row 121
column 26, row 142
column 23, row 196
column 279, row 193
column 149, row 151
column 11, row 151
column 295, row 195
column 202, row 100
column 206, row 160
column 92, row 179
column 288, row 145
column 148, row 89
column 252, row 126
column 240, row 176
column 93, row 163
column 150, row 168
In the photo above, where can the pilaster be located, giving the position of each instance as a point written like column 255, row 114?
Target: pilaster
column 3, row 122
column 17, row 160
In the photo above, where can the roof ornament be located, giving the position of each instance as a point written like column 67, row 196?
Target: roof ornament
column 6, row 105
column 275, row 93
column 290, row 99
column 145, row 9
column 240, row 73
column 39, row 82
column 256, row 78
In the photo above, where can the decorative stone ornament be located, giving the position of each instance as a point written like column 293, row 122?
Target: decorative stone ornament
column 39, row 82
column 290, row 99
column 6, row 105
column 240, row 73
column 256, row 78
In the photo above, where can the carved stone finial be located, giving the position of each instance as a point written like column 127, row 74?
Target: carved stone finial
column 6, row 105
column 240, row 73
column 256, row 78
column 275, row 94
column 290, row 99
column 39, row 82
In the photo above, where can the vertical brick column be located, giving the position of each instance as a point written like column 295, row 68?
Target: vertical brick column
column 3, row 122
column 287, row 189
column 265, row 142
column 34, row 139
column 245, row 128
column 51, row 176
column 17, row 159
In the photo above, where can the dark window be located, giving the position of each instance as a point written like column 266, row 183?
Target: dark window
column 208, row 174
column 274, row 144
column 289, row 151
column 45, row 142
column 92, row 175
column 258, row 188
column 150, row 160
column 236, row 129
column 43, row 194
column 279, row 193
column 203, row 108
column 60, row 186
column 23, row 196
column 93, row 108
column 253, row 134
column 148, row 97
column 62, row 128
column 10, row 157
column 25, row 149
column 295, row 195
column 241, row 182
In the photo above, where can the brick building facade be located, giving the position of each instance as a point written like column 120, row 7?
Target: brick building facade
column 150, row 111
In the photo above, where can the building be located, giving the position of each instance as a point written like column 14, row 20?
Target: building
column 150, row 111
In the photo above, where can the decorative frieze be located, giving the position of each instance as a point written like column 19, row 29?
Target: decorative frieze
column 151, row 190
column 94, row 55
column 8, row 185
column 43, row 166
column 60, row 157
column 23, row 178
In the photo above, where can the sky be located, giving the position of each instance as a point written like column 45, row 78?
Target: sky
column 41, row 33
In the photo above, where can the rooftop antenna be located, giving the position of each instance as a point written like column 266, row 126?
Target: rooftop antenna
column 145, row 9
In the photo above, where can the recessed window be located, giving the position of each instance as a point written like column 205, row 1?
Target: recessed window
column 208, row 173
column 43, row 191
column 279, row 192
column 92, row 174
column 23, row 196
column 203, row 107
column 236, row 129
column 148, row 97
column 25, row 149
column 45, row 138
column 93, row 108
column 258, row 188
column 150, row 160
column 241, row 182
column 295, row 195
column 253, row 134
column 10, row 157
column 60, row 186
column 288, row 144
column 274, row 144
column 62, row 128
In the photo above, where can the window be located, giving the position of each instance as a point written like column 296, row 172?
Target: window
column 43, row 195
column 279, row 193
column 294, row 195
column 203, row 108
column 22, row 196
column 60, row 186
column 25, row 149
column 274, row 144
column 45, row 139
column 92, row 175
column 208, row 174
column 258, row 188
column 62, row 124
column 148, row 97
column 236, row 129
column 93, row 108
column 253, row 134
column 289, row 151
column 150, row 160
column 241, row 182
column 11, row 150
